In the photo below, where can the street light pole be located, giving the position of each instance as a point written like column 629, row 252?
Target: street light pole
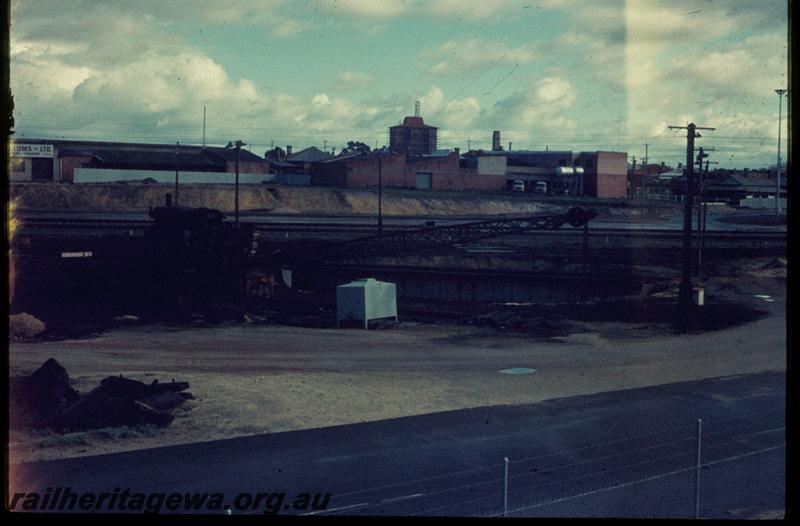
column 780, row 93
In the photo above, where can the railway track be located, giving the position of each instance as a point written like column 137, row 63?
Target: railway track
column 90, row 226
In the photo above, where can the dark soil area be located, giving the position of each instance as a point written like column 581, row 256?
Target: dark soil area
column 541, row 321
column 760, row 219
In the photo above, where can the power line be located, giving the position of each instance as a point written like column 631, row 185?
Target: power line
column 96, row 124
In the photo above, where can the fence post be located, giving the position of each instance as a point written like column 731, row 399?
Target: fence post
column 505, row 488
column 697, row 471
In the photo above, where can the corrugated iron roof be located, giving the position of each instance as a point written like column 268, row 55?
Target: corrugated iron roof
column 309, row 155
column 161, row 158
column 229, row 154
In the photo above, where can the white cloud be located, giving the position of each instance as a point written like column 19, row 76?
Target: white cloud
column 471, row 9
column 164, row 85
column 753, row 67
column 652, row 21
column 431, row 101
column 354, row 79
column 290, row 28
column 539, row 107
column 459, row 114
column 369, row 8
column 320, row 100
column 473, row 54
column 555, row 91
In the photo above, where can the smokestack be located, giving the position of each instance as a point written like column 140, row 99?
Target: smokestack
column 416, row 109
column 509, row 146
column 496, row 141
column 288, row 150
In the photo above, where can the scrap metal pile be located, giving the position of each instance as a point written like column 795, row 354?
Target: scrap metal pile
column 46, row 400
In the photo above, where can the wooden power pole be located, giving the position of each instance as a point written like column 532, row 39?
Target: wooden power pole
column 686, row 289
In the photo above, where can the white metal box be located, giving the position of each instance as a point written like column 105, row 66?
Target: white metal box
column 365, row 300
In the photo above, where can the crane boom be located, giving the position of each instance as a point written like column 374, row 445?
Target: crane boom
column 417, row 240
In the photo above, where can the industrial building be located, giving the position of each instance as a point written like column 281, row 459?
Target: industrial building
column 64, row 161
column 439, row 171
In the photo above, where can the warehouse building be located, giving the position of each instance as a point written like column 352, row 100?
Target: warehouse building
column 64, row 161
column 594, row 174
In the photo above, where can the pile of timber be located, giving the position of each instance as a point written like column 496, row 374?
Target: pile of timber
column 46, row 400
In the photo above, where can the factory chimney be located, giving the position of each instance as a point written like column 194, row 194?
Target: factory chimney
column 416, row 109
column 496, row 141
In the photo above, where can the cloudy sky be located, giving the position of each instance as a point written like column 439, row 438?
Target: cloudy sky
column 558, row 74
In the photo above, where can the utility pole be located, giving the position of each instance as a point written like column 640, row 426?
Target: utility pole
column 177, row 146
column 643, row 188
column 701, row 155
column 702, row 206
column 237, row 146
column 686, row 289
column 700, row 203
column 380, row 193
column 705, row 213
column 236, row 187
column 780, row 93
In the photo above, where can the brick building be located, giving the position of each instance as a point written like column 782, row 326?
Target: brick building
column 441, row 171
column 413, row 137
column 605, row 173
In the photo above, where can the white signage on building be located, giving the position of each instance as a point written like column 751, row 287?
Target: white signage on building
column 31, row 150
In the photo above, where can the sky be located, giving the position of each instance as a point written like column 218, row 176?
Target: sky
column 579, row 75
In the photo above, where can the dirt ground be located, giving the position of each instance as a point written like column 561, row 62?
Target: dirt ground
column 271, row 198
column 264, row 378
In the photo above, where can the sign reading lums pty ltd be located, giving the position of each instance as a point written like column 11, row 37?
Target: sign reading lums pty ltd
column 31, row 150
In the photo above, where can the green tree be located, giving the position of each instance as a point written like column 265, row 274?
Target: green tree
column 355, row 146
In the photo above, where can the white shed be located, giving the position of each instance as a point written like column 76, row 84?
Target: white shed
column 365, row 300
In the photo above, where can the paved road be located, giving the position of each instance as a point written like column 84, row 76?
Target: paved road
column 620, row 454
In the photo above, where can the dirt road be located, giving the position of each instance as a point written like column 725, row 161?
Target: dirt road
column 252, row 379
